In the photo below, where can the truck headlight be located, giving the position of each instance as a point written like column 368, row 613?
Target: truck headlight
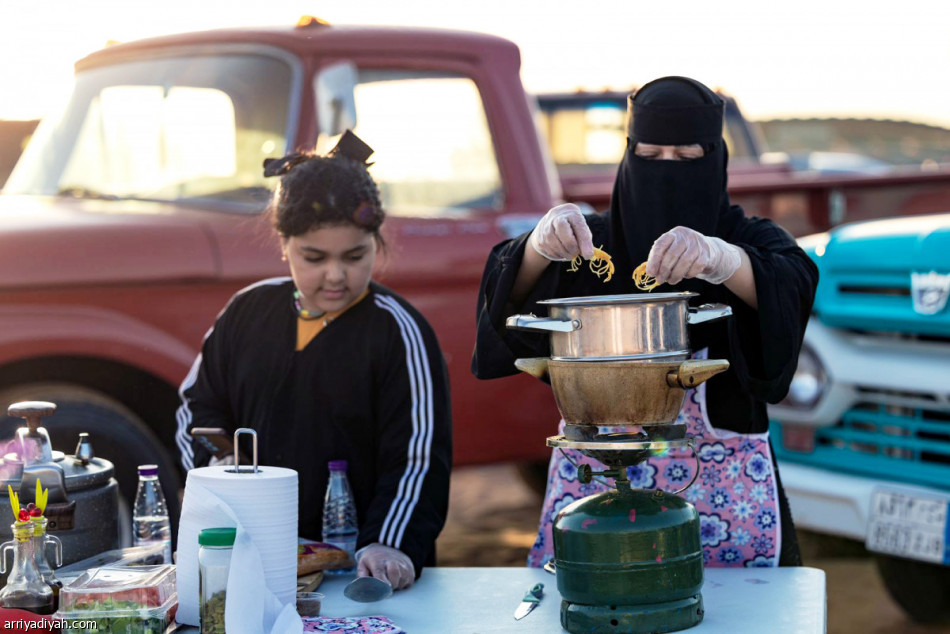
column 808, row 384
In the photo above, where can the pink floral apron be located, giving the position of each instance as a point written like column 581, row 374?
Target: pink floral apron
column 735, row 492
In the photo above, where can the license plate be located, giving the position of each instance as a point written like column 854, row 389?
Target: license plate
column 909, row 526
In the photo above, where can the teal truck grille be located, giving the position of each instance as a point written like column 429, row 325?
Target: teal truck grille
column 899, row 436
column 876, row 301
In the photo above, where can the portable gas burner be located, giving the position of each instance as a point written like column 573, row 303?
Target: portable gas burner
column 626, row 560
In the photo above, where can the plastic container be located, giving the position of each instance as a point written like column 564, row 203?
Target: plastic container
column 150, row 523
column 151, row 555
column 339, row 515
column 214, row 564
column 120, row 600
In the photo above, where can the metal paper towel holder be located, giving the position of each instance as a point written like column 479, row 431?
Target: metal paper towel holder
column 237, row 460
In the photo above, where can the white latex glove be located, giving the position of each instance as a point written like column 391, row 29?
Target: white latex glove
column 682, row 253
column 388, row 564
column 563, row 233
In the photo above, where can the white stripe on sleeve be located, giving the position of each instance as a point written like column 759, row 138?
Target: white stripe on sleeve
column 420, row 444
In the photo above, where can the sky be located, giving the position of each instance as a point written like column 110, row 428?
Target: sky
column 806, row 58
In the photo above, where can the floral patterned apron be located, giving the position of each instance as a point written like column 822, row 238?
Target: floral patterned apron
column 735, row 492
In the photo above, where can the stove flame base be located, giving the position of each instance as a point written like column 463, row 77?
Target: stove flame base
column 652, row 618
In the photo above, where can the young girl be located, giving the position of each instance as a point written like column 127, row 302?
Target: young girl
column 329, row 365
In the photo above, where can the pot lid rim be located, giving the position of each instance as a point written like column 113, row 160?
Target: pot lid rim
column 630, row 298
column 103, row 470
column 664, row 356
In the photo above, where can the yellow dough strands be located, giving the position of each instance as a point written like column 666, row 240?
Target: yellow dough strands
column 643, row 281
column 602, row 264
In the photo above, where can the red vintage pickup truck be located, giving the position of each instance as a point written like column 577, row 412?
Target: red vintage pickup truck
column 134, row 215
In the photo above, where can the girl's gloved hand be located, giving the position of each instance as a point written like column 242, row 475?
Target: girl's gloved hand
column 563, row 233
column 388, row 564
column 682, row 253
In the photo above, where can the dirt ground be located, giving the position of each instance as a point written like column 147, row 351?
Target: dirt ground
column 493, row 518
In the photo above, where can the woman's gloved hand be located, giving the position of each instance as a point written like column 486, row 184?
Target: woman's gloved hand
column 682, row 253
column 563, row 233
column 388, row 564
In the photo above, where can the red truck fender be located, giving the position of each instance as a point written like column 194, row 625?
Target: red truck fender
column 36, row 331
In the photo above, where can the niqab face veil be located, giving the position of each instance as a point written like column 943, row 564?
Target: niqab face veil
column 650, row 197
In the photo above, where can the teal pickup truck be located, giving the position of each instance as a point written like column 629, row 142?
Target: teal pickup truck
column 864, row 435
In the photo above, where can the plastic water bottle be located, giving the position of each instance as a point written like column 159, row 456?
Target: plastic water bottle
column 150, row 523
column 339, row 514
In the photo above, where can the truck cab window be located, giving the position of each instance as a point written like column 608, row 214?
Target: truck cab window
column 433, row 148
column 164, row 129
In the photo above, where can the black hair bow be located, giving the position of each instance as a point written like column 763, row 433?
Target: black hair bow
column 280, row 166
column 352, row 147
column 349, row 145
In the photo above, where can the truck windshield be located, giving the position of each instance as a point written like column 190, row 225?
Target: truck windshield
column 164, row 129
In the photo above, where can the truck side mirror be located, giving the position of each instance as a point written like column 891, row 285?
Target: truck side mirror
column 336, row 106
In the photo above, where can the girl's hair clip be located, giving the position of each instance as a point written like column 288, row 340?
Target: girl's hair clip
column 351, row 146
column 280, row 166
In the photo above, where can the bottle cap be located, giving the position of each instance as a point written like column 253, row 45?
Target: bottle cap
column 148, row 470
column 338, row 465
column 217, row 537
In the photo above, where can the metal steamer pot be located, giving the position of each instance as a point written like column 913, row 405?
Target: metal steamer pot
column 83, row 499
column 621, row 392
column 636, row 326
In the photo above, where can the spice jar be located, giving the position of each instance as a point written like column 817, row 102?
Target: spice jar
column 214, row 562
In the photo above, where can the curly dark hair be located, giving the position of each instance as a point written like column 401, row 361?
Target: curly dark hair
column 318, row 191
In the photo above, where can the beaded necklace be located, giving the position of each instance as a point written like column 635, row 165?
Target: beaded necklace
column 305, row 314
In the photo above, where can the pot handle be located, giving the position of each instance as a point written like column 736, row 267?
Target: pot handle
column 530, row 322
column 707, row 312
column 689, row 374
column 535, row 366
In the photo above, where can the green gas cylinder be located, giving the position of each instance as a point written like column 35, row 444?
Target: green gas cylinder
column 629, row 560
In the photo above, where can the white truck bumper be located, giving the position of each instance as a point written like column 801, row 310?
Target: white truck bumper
column 828, row 502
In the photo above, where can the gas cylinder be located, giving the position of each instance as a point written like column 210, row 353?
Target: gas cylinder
column 629, row 560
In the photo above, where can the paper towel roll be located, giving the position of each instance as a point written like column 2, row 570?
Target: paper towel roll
column 262, row 506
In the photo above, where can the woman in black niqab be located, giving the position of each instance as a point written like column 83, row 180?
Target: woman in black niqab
column 676, row 215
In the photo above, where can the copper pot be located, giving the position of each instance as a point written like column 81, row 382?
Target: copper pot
column 621, row 392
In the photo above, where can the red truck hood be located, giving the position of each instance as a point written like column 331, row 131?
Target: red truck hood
column 48, row 241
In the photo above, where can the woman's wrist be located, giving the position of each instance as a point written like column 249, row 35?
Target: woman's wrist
column 532, row 266
column 742, row 282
